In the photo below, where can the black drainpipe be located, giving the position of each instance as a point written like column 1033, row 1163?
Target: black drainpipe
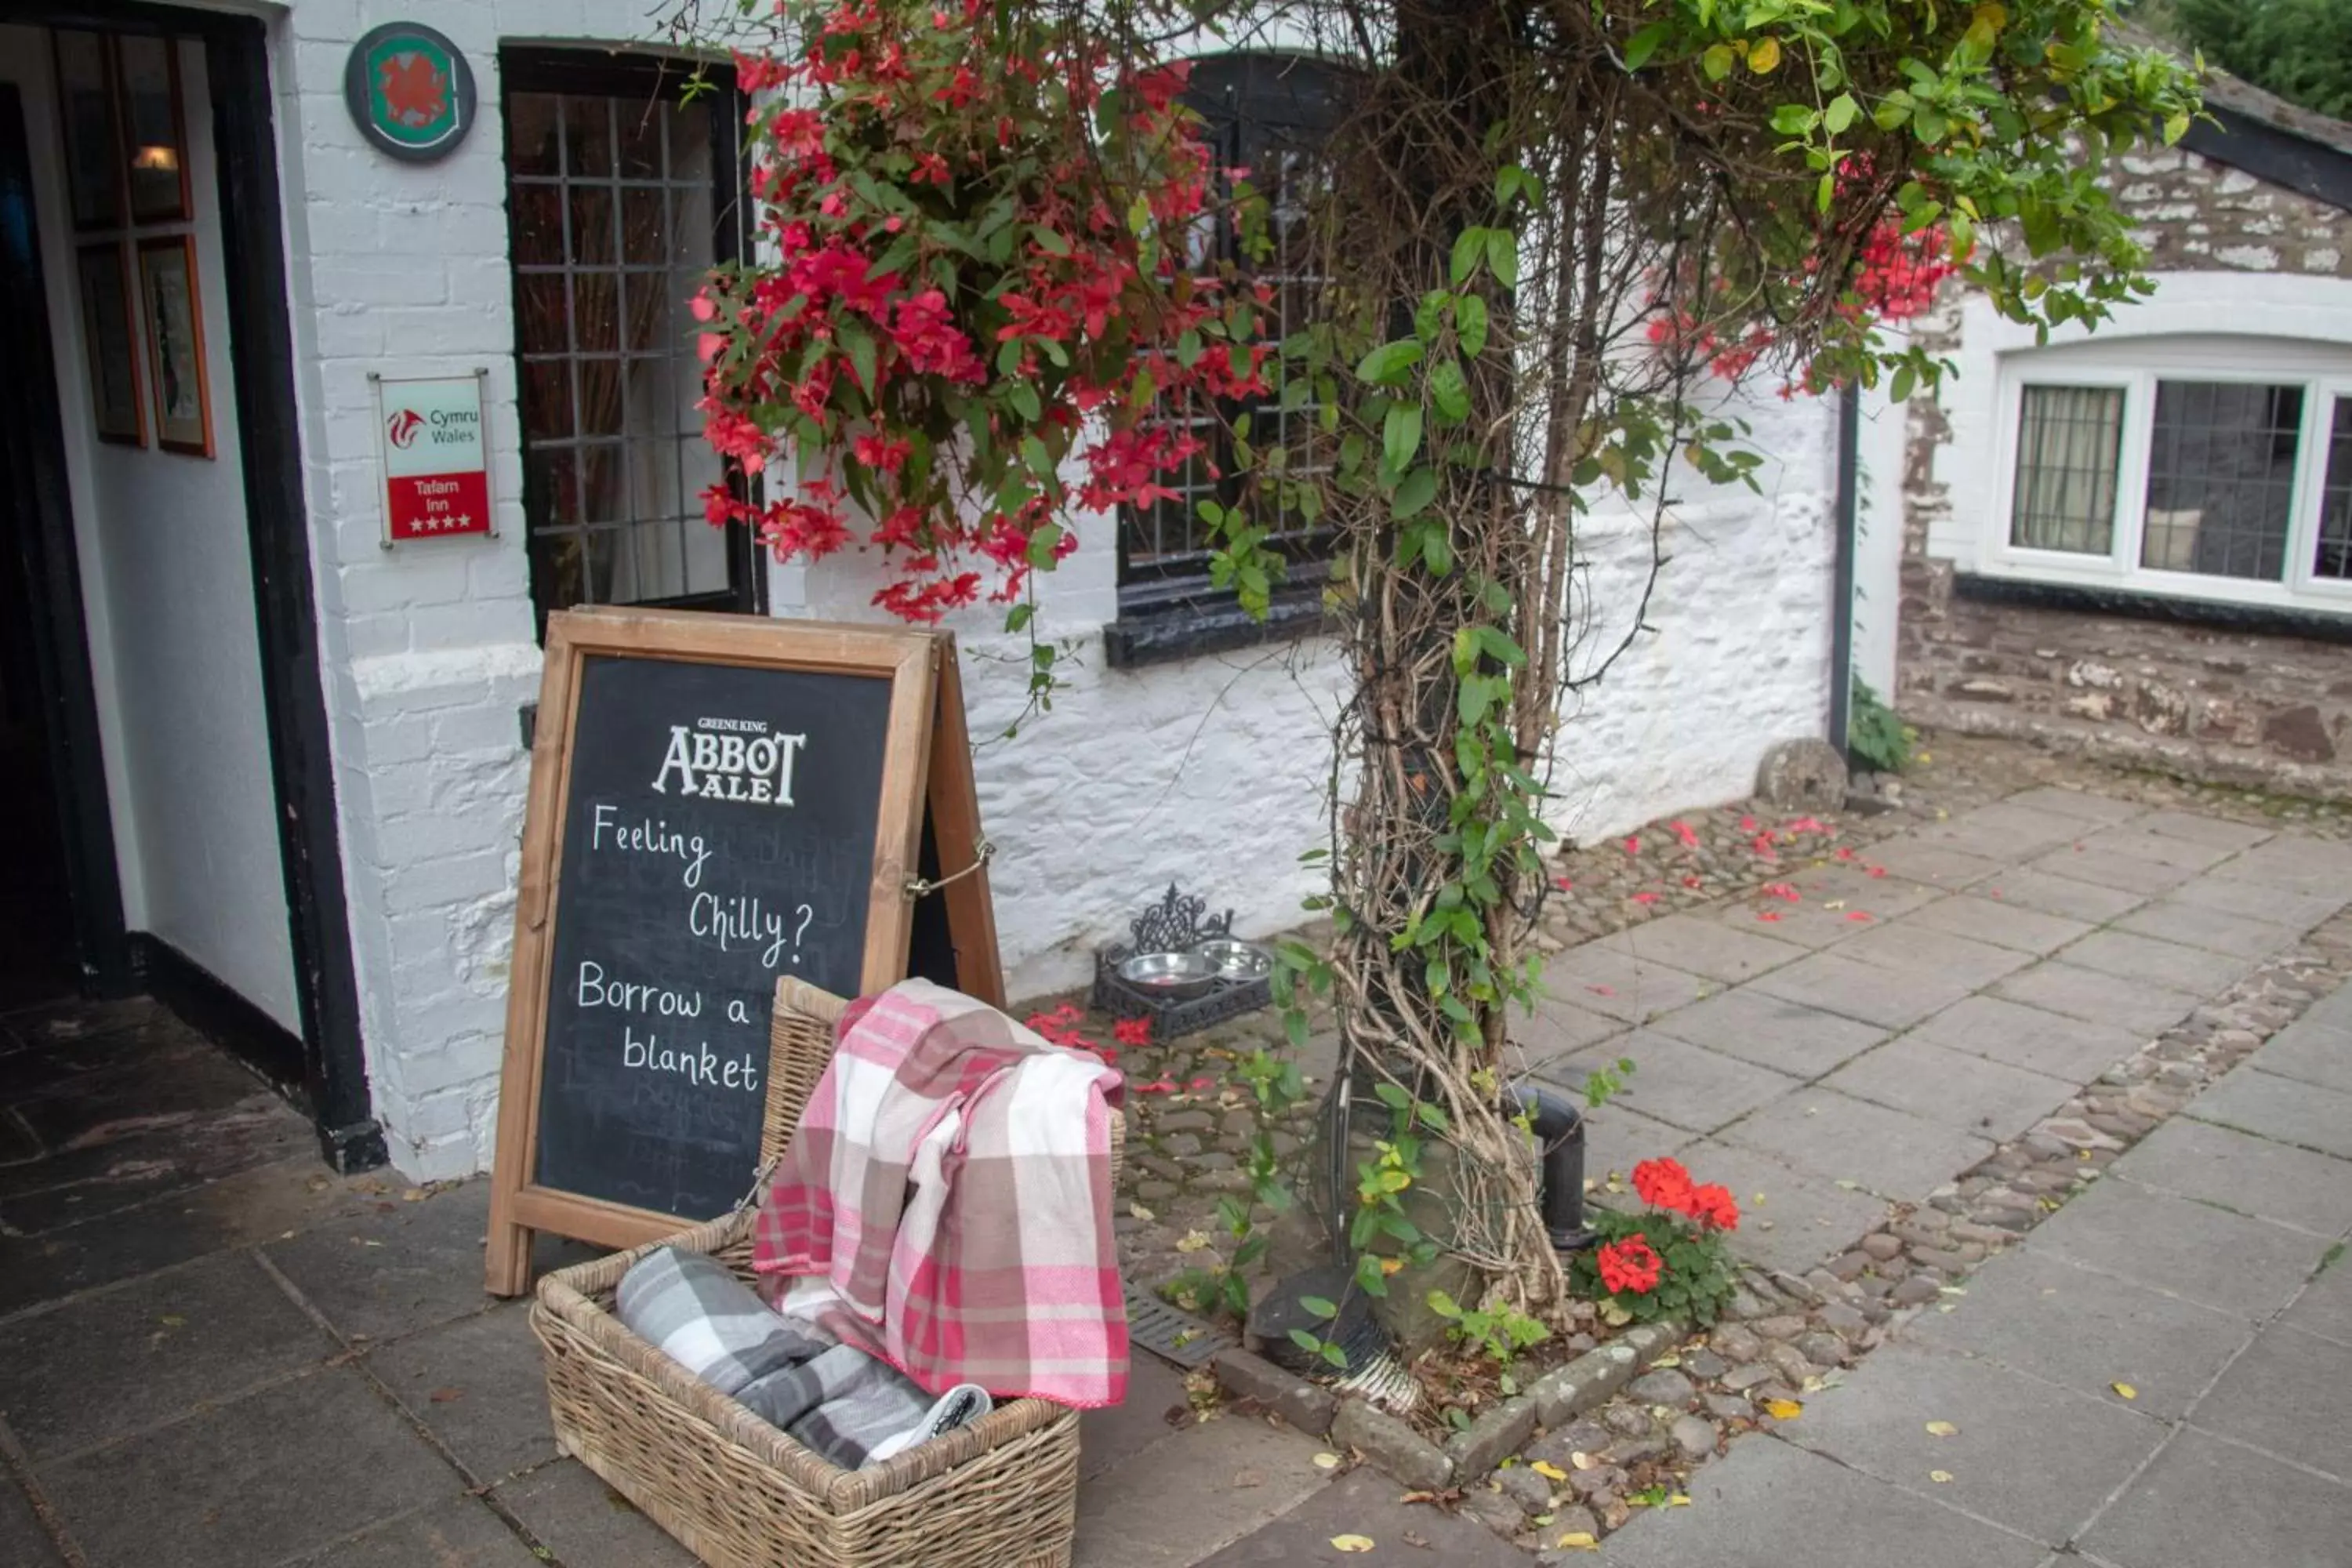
column 1841, row 593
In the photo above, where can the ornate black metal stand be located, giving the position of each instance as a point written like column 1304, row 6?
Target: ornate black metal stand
column 1174, row 924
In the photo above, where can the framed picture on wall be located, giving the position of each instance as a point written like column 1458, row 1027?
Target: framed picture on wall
column 113, row 341
column 175, row 344
column 92, row 131
column 153, row 129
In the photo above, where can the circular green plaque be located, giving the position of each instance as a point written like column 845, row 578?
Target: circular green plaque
column 409, row 91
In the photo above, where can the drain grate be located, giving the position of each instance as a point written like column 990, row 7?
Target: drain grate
column 1173, row 1336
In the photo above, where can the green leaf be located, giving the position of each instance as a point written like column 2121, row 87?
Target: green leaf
column 1795, row 119
column 1643, row 44
column 1443, row 1305
column 1400, row 436
column 1387, row 365
column 1840, row 113
column 1309, row 1343
column 1469, row 249
column 1449, row 389
column 859, row 344
column 1040, row 547
column 1320, row 1306
column 1717, row 61
column 1018, row 617
column 1503, row 257
column 1470, row 323
column 1413, row 494
column 1023, row 398
column 1394, row 1097
column 1905, row 378
column 1034, row 453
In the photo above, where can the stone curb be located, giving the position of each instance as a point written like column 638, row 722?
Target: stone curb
column 1390, row 1443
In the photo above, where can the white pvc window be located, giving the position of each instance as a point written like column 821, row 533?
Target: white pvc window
column 2209, row 479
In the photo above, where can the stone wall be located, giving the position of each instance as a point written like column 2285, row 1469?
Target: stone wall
column 2233, row 705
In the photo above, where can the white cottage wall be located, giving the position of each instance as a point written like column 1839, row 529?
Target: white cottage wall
column 1211, row 771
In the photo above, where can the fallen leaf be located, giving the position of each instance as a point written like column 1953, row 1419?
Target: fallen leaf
column 1414, row 1538
column 1863, row 915
column 1577, row 1540
column 1942, row 1429
column 1244, row 1480
column 1327, row 1461
column 446, row 1395
column 1542, row 1520
column 1679, row 1499
column 1783, row 1409
column 1195, row 1241
column 2125, row 1389
column 1582, row 1460
column 1351, row 1544
column 1139, row 1212
column 171, row 1320
column 1549, row 1470
column 1832, row 903
column 1667, row 1361
column 414, row 1195
column 1602, row 990
column 1939, row 1477
column 1847, row 1183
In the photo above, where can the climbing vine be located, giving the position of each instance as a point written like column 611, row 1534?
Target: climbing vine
column 1007, row 288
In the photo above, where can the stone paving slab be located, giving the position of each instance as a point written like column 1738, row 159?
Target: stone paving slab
column 2209, row 830
column 2238, row 1264
column 2026, row 1455
column 1918, row 950
column 456, row 1532
column 2108, row 867
column 2001, row 922
column 1599, row 980
column 1685, row 1085
column 1556, row 1027
column 2136, row 840
column 2253, row 900
column 2299, row 865
column 2285, row 1395
column 2247, row 1174
column 1196, row 1492
column 1809, row 921
column 2313, row 1052
column 1616, row 1138
column 1705, row 947
column 2207, row 1503
column 2005, row 831
column 2325, row 1306
column 1771, row 1031
column 2077, row 802
column 252, row 1481
column 1889, row 1152
column 2283, row 1108
column 97, row 1369
column 2097, row 997
column 1917, row 859
column 1789, row 1219
column 2153, row 961
column 2086, row 1330
column 481, row 1385
column 403, row 1268
column 1365, row 1503
column 2030, row 1037
column 1769, row 1504
column 23, row 1542
column 586, row 1523
column 1970, row 1093
column 2195, row 925
column 2068, row 897
column 1891, row 998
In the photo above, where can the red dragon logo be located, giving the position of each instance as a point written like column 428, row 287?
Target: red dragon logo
column 403, row 427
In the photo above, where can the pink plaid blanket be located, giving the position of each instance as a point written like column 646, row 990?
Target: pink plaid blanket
column 946, row 1202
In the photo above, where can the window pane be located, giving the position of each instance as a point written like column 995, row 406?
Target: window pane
column 2067, row 441
column 613, row 233
column 2221, row 479
column 2333, row 556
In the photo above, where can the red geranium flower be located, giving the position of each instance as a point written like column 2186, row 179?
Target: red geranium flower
column 1629, row 1265
column 1663, row 1185
column 1712, row 1206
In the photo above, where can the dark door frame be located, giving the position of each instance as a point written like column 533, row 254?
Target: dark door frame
column 326, row 1068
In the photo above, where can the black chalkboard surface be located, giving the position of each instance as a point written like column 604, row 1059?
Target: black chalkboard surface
column 717, row 802
column 717, row 833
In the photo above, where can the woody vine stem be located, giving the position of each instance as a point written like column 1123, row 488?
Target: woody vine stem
column 1000, row 289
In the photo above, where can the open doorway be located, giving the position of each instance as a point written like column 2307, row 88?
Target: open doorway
column 162, row 719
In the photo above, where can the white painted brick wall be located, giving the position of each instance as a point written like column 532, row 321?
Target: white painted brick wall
column 1209, row 772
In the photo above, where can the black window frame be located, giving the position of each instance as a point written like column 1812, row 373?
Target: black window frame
column 596, row 72
column 1257, row 105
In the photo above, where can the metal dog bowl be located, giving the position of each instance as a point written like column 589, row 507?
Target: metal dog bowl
column 1173, row 975
column 1235, row 960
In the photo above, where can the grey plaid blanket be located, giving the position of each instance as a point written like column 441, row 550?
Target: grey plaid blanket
column 851, row 1409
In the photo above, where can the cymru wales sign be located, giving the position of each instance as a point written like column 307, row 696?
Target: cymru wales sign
column 410, row 91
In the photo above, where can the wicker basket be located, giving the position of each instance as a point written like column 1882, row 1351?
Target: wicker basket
column 739, row 1493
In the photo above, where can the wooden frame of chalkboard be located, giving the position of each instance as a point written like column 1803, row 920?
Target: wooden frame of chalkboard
column 693, row 776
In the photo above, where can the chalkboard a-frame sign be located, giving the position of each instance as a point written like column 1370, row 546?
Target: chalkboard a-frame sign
column 716, row 801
